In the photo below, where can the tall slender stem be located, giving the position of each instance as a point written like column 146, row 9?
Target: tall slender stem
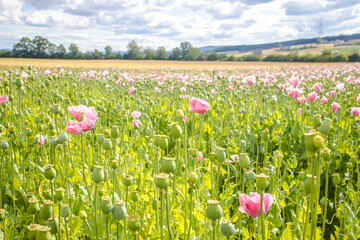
column 167, row 216
column 326, row 198
column 96, row 223
column 161, row 215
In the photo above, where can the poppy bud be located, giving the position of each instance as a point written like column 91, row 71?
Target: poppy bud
column 227, row 228
column 316, row 120
column 55, row 109
column 65, row 211
column 212, row 156
column 262, row 181
column 106, row 205
column 309, row 140
column 318, row 142
column 12, row 129
column 180, row 115
column 50, row 171
column 168, row 165
column 193, row 152
column 63, row 137
column 336, row 178
column 154, row 204
column 325, row 126
column 47, row 194
column 134, row 195
column 221, row 154
column 309, row 183
column 134, row 223
column 244, row 160
column 119, row 210
column 164, row 142
column 53, row 141
column 251, row 176
column 100, row 139
column 326, row 154
column 193, row 177
column 214, row 210
column 162, row 180
column 107, row 145
column 97, row 174
column 83, row 215
column 265, row 135
column 28, row 132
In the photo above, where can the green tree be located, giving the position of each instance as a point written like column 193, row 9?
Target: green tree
column 212, row 56
column 108, row 52
column 61, row 51
column 192, row 54
column 98, row 54
column 74, row 52
column 161, row 53
column 5, row 54
column 175, row 54
column 41, row 46
column 185, row 47
column 133, row 50
column 149, row 53
column 354, row 57
column 24, row 48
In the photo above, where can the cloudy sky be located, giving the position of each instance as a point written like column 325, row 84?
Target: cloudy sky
column 93, row 24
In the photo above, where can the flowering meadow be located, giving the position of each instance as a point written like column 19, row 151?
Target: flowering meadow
column 180, row 154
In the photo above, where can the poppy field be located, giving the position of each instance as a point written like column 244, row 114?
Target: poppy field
column 111, row 153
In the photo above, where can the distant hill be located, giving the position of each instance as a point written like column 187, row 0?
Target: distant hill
column 265, row 46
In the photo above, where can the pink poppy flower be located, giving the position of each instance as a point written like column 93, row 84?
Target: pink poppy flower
column 73, row 127
column 251, row 204
column 312, row 96
column 136, row 123
column 183, row 90
column 299, row 111
column 199, row 157
column 58, row 67
column 358, row 98
column 156, row 90
column 132, row 90
column 4, row 98
column 47, row 72
column 294, row 81
column 324, row 100
column 24, row 75
column 301, row 100
column 355, row 111
column 185, row 118
column 333, row 93
column 340, row 87
column 213, row 92
column 198, row 106
column 40, row 138
column 317, row 88
column 136, row 114
column 294, row 93
column 234, row 157
column 249, row 80
column 335, row 107
column 86, row 118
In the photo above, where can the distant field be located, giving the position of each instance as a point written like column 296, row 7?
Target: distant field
column 145, row 64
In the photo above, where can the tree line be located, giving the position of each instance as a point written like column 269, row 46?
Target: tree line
column 40, row 47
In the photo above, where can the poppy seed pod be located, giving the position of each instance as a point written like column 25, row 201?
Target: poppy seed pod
column 326, row 154
column 55, row 109
column 46, row 210
column 83, row 215
column 63, row 137
column 162, row 180
column 59, row 193
column 193, row 178
column 106, row 205
column 134, row 195
column 33, row 205
column 309, row 183
column 227, row 228
column 12, row 129
column 193, row 152
column 107, row 144
column 114, row 132
column 98, row 175
column 43, row 233
column 53, row 141
column 32, row 231
column 318, row 142
column 100, row 139
column 28, row 196
column 265, row 135
column 47, row 194
column 336, row 178
column 53, row 224
column 127, row 180
column 168, row 165
column 163, row 142
column 64, row 211
column 176, row 130
column 134, row 223
column 316, row 120
column 119, row 210
column 244, row 160
column 212, row 156
column 4, row 145
column 302, row 175
column 114, row 164
column 214, row 210
column 180, row 115
column 221, row 154
column 19, row 82
column 325, row 126
column 309, row 140
column 28, row 132
column 262, row 181
column 251, row 176
column 50, row 172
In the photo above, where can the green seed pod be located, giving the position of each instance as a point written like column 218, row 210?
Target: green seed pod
column 19, row 82
column 193, row 152
column 154, row 204
column 180, row 115
column 251, row 176
column 2, row 214
column 46, row 210
column 97, row 174
column 53, row 224
column 119, row 210
column 12, row 129
column 164, row 142
column 114, row 164
column 107, row 145
column 134, row 223
column 336, row 178
column 316, row 120
column 28, row 196
column 59, row 193
column 34, row 206
column 100, row 139
column 309, row 184
column 83, row 215
column 214, row 210
column 51, row 126
column 63, row 137
column 221, row 154
column 53, row 141
column 326, row 154
column 309, row 140
column 37, row 120
column 244, row 160
column 47, row 194
column 176, row 130
column 4, row 145
column 262, row 181
column 43, row 233
column 162, row 180
column 127, row 180
column 28, row 132
column 349, row 165
column 64, row 211
column 301, row 175
column 32, row 231
column 50, row 172
column 55, row 109
column 212, row 156
column 227, row 228
column 114, row 132
column 168, row 165
column 134, row 195
column 106, row 205
column 325, row 126
column 318, row 142
column 265, row 135
column 193, row 178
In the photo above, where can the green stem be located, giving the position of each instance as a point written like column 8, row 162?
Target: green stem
column 262, row 216
column 214, row 230
column 96, row 223
column 326, row 199
column 161, row 215
column 83, row 167
column 191, row 210
column 167, row 215
column 59, row 205
column 107, row 226
column 66, row 229
column 88, row 226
